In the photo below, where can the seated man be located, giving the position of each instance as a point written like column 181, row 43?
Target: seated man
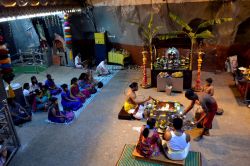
column 132, row 105
column 78, row 63
column 102, row 69
column 176, row 144
column 18, row 113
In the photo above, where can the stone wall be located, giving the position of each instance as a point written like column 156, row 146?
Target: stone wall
column 114, row 20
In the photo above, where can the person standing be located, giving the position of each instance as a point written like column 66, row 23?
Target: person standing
column 209, row 106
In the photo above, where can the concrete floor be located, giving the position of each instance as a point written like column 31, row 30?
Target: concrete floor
column 97, row 137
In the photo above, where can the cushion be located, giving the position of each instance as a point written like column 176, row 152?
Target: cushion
column 123, row 115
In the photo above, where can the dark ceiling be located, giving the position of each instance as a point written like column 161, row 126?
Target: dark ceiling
column 21, row 3
column 9, row 8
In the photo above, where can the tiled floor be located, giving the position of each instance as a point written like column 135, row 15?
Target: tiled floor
column 97, row 137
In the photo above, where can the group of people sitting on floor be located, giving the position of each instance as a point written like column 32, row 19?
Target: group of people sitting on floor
column 41, row 97
column 101, row 69
column 175, row 142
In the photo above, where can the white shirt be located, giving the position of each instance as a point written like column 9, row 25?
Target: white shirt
column 77, row 60
column 26, row 92
column 177, row 142
column 33, row 87
column 101, row 68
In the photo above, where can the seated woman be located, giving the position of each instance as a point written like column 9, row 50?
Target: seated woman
column 132, row 105
column 41, row 102
column 18, row 113
column 84, row 83
column 54, row 90
column 176, row 144
column 69, row 103
column 57, row 116
column 75, row 91
column 149, row 140
column 34, row 84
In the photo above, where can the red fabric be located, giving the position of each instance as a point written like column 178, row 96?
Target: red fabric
column 207, row 121
column 4, row 52
column 7, row 71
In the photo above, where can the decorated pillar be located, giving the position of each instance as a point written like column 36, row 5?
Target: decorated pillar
column 144, row 83
column 6, row 70
column 68, row 37
column 198, row 80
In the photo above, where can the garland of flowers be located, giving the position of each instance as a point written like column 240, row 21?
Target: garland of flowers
column 68, row 36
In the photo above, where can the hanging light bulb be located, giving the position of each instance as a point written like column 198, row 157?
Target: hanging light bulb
column 44, row 2
column 22, row 2
column 52, row 2
column 8, row 3
column 34, row 2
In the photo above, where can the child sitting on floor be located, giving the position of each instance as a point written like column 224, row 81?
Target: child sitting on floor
column 208, row 87
column 40, row 102
column 34, row 84
column 28, row 96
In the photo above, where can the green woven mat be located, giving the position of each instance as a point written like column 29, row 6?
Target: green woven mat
column 29, row 69
column 126, row 159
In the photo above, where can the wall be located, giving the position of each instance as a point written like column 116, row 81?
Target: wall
column 24, row 34
column 114, row 20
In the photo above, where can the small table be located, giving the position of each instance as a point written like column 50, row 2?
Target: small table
column 117, row 58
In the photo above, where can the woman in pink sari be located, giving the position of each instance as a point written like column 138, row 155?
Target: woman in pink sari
column 149, row 141
column 75, row 91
